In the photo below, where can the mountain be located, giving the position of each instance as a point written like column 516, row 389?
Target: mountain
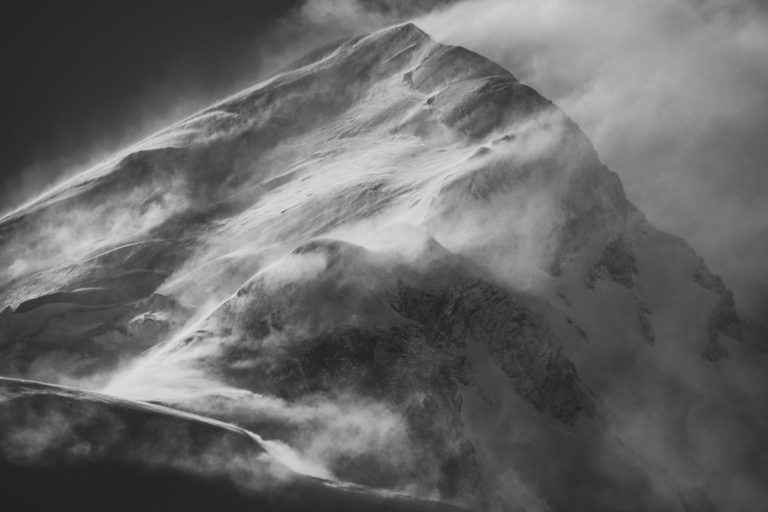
column 411, row 269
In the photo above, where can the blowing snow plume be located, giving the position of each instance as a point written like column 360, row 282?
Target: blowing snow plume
column 404, row 268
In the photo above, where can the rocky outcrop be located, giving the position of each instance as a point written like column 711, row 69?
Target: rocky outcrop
column 616, row 263
column 646, row 328
column 724, row 319
column 519, row 341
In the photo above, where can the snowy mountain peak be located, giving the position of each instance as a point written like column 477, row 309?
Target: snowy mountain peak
column 399, row 262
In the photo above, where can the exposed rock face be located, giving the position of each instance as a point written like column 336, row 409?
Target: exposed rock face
column 724, row 320
column 617, row 263
column 646, row 328
column 518, row 340
column 399, row 232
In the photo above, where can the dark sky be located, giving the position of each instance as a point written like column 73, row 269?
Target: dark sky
column 80, row 78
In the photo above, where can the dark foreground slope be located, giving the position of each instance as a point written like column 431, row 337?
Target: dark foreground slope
column 62, row 449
